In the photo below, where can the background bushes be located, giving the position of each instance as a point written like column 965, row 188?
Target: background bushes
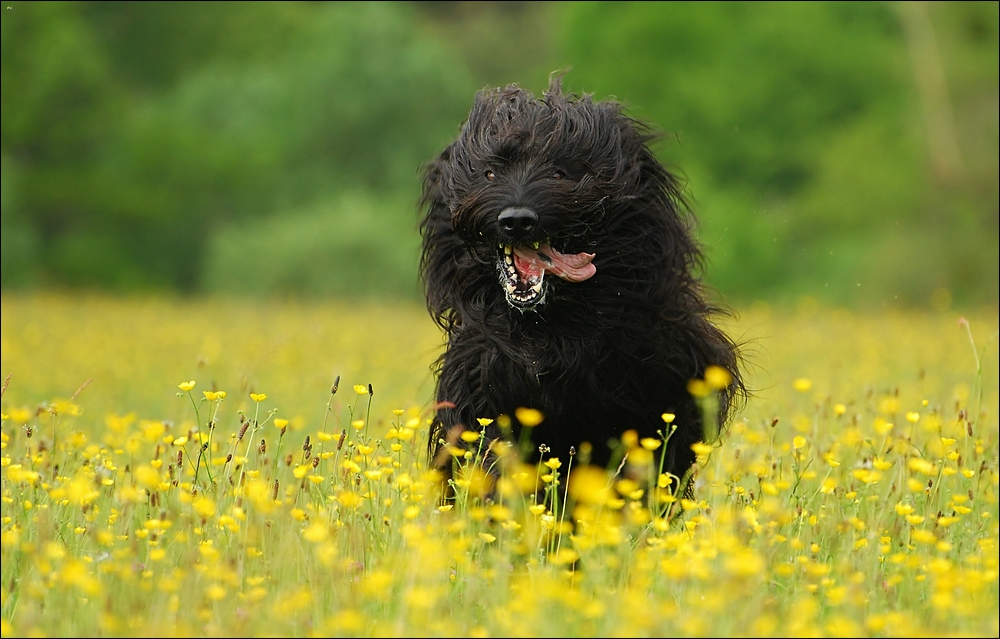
column 842, row 151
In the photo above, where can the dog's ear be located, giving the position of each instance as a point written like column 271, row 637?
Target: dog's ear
column 441, row 248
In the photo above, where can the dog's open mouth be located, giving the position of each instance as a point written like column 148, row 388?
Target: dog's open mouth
column 523, row 268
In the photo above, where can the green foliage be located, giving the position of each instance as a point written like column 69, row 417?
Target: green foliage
column 354, row 246
column 129, row 198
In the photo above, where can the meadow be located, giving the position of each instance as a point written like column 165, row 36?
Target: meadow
column 177, row 467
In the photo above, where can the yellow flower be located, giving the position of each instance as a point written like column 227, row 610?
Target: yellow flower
column 488, row 538
column 744, row 563
column 280, row 423
column 484, row 421
column 802, row 384
column 717, row 377
column 889, row 405
column 563, row 557
column 215, row 592
column 360, row 389
column 147, row 477
column 204, row 506
column 529, row 417
column 881, row 464
column 349, row 499
column 553, row 463
column 650, row 443
column 921, row 466
column 469, row 436
column 923, row 536
column 701, row 448
column 186, row 386
column 881, row 426
column 258, row 397
column 668, row 417
column 698, row 388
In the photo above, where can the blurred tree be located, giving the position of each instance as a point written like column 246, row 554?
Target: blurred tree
column 499, row 43
column 60, row 104
column 132, row 132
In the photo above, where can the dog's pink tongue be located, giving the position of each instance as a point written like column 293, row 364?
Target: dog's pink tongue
column 572, row 268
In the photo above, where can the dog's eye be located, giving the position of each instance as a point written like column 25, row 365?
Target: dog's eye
column 490, row 175
column 558, row 175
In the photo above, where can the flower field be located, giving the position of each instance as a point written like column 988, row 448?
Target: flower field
column 235, row 468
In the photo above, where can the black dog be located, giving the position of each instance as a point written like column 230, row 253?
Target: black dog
column 558, row 257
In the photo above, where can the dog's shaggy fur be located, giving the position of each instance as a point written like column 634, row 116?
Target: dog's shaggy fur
column 559, row 259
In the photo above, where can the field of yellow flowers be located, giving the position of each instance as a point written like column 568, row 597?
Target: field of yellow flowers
column 235, row 468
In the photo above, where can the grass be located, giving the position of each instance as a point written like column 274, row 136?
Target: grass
column 855, row 494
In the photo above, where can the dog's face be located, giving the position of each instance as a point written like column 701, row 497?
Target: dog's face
column 534, row 188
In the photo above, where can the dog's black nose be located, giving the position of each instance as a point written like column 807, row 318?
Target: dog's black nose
column 518, row 222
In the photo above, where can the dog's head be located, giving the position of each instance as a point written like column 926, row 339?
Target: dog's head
column 544, row 192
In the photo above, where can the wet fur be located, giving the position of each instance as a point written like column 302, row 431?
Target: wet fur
column 598, row 357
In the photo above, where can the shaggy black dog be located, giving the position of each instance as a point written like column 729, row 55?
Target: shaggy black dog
column 559, row 259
